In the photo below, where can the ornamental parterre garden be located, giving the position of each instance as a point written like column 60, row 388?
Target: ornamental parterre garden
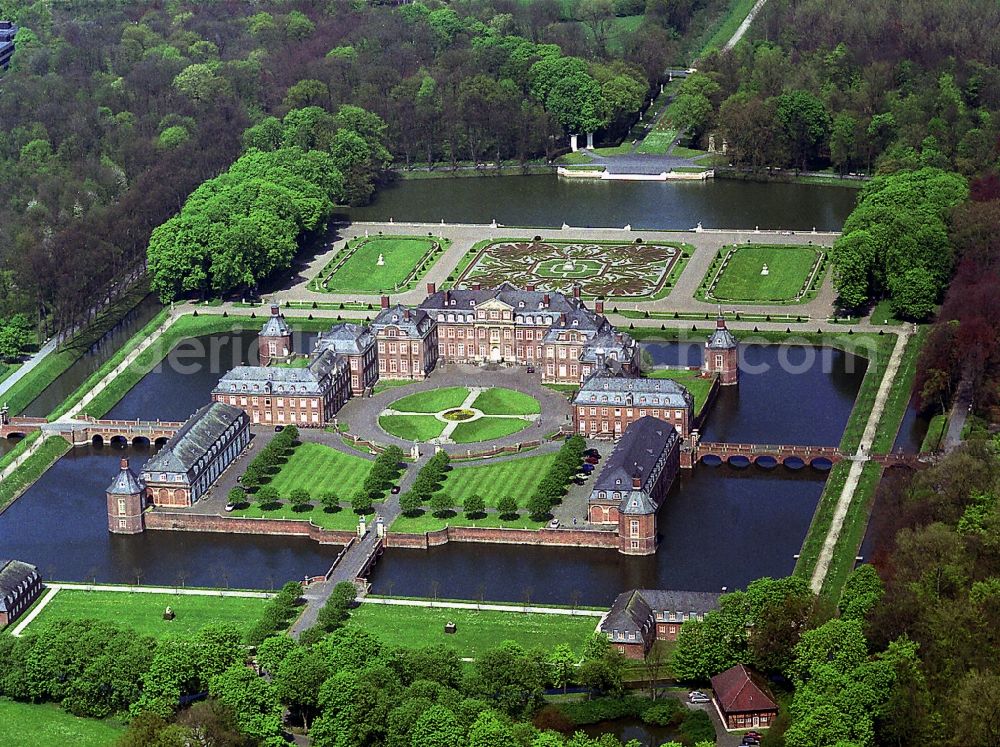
column 459, row 415
column 601, row 269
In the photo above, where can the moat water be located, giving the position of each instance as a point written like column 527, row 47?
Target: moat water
column 547, row 200
column 720, row 527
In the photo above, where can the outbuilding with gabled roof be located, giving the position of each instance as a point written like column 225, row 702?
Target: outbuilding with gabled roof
column 743, row 699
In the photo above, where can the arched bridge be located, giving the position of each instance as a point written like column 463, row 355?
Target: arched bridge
column 121, row 432
column 19, row 427
column 768, row 455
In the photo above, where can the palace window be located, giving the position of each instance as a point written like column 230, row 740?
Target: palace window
column 121, row 506
column 634, row 527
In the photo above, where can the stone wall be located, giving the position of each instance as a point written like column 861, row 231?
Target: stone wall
column 547, row 537
column 191, row 522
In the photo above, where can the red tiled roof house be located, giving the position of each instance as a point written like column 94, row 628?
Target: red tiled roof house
column 743, row 699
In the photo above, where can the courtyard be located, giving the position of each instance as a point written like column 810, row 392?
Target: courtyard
column 379, row 264
column 762, row 273
column 601, row 269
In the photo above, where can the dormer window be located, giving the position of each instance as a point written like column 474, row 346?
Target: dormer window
column 576, row 322
column 395, row 317
column 520, row 304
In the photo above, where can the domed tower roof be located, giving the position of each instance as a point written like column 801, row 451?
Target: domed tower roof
column 721, row 338
column 125, row 482
column 276, row 326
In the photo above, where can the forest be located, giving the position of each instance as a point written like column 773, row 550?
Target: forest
column 115, row 111
column 858, row 86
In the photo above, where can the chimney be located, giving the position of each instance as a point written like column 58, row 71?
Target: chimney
column 385, row 302
column 636, row 482
column 124, row 464
column 576, row 291
column 720, row 322
column 562, row 319
column 447, row 297
column 431, row 289
column 599, row 305
column 530, row 287
column 546, row 300
column 406, row 314
column 477, row 286
column 274, row 309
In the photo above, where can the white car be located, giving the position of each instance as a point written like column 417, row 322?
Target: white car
column 699, row 699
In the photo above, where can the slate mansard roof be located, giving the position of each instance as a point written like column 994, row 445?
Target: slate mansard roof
column 275, row 326
column 13, row 575
column 526, row 301
column 604, row 388
column 280, row 379
column 636, row 455
column 630, row 612
column 721, row 338
column 633, row 610
column 125, row 482
column 346, row 338
column 195, row 438
column 411, row 322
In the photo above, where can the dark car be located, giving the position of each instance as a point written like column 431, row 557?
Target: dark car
column 587, row 468
column 592, row 453
column 395, row 489
column 279, row 428
column 591, row 460
column 530, row 369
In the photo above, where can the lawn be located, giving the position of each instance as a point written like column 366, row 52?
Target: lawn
column 518, row 477
column 789, row 269
column 48, row 725
column 476, row 632
column 499, row 401
column 935, row 432
column 318, row 468
column 433, row 400
column 144, row 612
column 425, row 521
column 344, row 520
column 361, row 273
column 382, row 384
column 882, row 314
column 33, row 468
column 486, row 429
column 411, row 427
column 657, row 142
column 698, row 386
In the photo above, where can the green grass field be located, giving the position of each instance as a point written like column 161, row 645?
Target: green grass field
column 499, row 401
column 318, row 468
column 144, row 612
column 433, row 400
column 657, row 142
column 477, row 632
column 427, row 522
column 344, row 520
column 516, row 477
column 935, row 432
column 487, row 429
column 789, row 267
column 411, row 427
column 48, row 725
column 698, row 386
column 361, row 273
column 382, row 384
column 29, row 471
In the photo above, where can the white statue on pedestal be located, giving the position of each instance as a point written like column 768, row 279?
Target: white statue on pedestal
column 569, row 266
column 381, row 260
column 764, row 270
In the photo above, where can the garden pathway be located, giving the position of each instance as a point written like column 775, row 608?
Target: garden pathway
column 857, row 464
column 482, row 607
column 745, row 26
column 26, row 367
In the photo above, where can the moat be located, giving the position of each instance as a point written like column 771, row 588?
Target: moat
column 720, row 527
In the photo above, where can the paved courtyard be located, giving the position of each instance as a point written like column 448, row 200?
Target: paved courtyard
column 361, row 414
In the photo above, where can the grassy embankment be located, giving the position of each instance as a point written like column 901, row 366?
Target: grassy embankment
column 477, row 631
column 143, row 612
column 46, row 724
column 935, row 432
column 47, row 454
column 24, row 392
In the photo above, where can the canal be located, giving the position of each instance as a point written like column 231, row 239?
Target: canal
column 547, row 200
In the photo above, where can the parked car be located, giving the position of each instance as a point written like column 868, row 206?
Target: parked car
column 697, row 693
column 394, row 490
column 699, row 699
column 587, row 468
column 591, row 460
column 279, row 428
column 754, row 734
column 530, row 369
column 230, row 506
column 554, row 524
column 592, row 453
column 749, row 741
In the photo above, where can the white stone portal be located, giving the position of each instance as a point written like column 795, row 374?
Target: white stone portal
column 764, row 270
column 381, row 260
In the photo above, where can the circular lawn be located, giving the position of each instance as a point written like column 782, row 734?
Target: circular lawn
column 459, row 414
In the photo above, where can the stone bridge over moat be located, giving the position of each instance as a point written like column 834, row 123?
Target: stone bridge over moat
column 81, row 432
column 793, row 457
